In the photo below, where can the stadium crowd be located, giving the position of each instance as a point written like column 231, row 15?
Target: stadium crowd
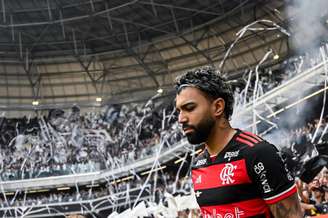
column 66, row 143
column 314, row 196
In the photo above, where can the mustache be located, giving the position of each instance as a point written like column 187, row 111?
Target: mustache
column 185, row 126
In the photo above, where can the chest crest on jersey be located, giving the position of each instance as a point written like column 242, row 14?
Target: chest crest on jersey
column 227, row 174
column 219, row 175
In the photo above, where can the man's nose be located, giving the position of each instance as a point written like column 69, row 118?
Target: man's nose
column 182, row 118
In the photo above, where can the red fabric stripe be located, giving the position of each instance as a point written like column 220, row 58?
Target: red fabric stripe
column 282, row 197
column 244, row 141
column 253, row 135
column 247, row 208
column 220, row 175
column 248, row 137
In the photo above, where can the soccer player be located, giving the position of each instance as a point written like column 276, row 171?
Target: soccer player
column 238, row 174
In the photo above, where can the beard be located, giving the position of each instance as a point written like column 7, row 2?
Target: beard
column 200, row 132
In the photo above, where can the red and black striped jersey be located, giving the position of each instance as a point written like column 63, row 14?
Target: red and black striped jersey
column 242, row 180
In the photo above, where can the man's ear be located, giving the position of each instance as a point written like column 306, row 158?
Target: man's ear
column 219, row 105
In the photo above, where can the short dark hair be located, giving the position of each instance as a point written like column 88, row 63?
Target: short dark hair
column 208, row 80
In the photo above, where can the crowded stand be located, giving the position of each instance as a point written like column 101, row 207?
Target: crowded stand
column 314, row 196
column 67, row 143
column 165, row 184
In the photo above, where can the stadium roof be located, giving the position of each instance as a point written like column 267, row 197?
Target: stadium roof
column 61, row 52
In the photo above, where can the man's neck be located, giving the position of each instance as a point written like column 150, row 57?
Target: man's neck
column 221, row 135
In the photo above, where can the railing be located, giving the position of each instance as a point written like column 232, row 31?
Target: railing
column 289, row 92
column 60, row 208
column 88, row 178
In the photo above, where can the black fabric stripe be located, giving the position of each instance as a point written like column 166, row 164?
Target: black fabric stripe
column 259, row 216
column 226, row 194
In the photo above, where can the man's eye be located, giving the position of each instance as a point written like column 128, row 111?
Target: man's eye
column 190, row 108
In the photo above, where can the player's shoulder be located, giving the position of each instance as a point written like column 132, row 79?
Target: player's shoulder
column 248, row 138
column 252, row 142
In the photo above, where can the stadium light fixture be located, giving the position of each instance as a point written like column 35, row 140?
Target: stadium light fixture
column 149, row 171
column 93, row 185
column 196, row 152
column 10, row 193
column 63, row 188
column 98, row 99
column 116, row 181
column 179, row 160
column 42, row 190
column 276, row 57
column 35, row 103
column 127, row 178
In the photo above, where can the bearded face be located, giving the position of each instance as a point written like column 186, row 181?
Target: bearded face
column 196, row 115
column 199, row 133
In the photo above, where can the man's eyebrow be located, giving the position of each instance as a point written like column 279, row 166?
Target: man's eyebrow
column 186, row 104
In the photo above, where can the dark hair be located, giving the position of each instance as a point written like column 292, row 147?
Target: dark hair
column 210, row 82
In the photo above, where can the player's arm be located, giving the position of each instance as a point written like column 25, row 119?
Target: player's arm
column 287, row 208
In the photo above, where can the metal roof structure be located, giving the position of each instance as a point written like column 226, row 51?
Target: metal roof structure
column 69, row 52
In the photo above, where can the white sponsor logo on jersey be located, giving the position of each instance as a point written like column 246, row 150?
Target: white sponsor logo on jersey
column 227, row 174
column 198, row 193
column 237, row 213
column 199, row 179
column 261, row 173
column 231, row 154
column 201, row 162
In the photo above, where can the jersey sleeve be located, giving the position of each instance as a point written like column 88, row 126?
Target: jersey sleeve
column 268, row 170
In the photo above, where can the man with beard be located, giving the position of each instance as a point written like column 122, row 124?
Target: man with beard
column 238, row 174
